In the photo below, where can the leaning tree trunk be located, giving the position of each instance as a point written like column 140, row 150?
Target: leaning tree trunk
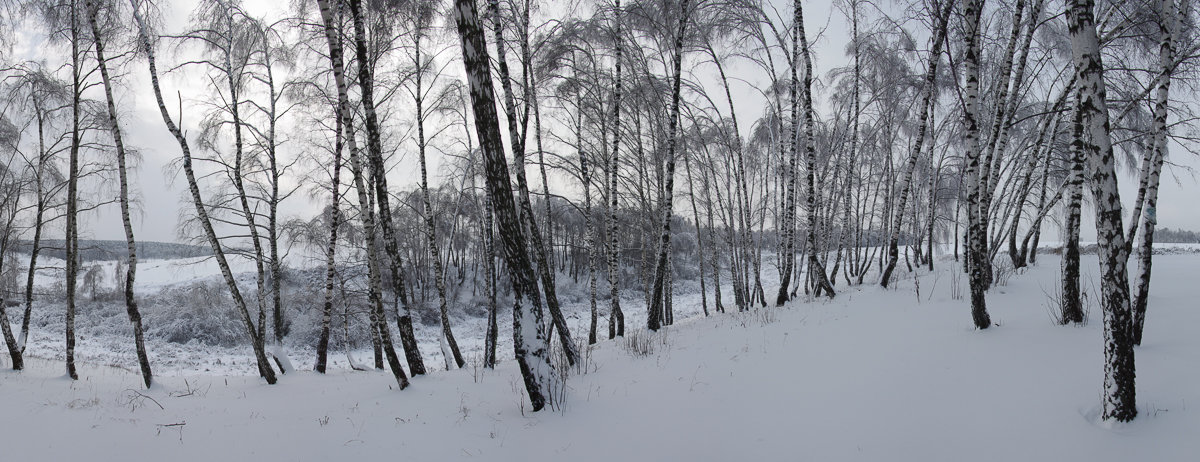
column 382, row 332
column 977, row 230
column 1119, row 388
column 382, row 196
column 131, row 307
column 928, row 94
column 375, row 292
column 1040, row 153
column 529, row 336
column 264, row 366
column 655, row 319
column 1169, row 13
column 517, row 141
column 233, row 75
column 39, row 222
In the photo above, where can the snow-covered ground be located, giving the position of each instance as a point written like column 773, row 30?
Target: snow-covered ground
column 875, row 374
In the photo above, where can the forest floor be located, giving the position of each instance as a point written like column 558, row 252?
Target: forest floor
column 896, row 374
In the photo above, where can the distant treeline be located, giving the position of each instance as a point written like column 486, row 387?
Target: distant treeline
column 96, row 250
column 1176, row 236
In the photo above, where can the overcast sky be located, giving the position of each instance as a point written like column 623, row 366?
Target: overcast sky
column 161, row 195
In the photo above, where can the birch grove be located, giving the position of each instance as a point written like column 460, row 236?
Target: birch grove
column 371, row 175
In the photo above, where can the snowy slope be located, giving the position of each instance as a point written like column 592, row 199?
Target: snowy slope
column 872, row 375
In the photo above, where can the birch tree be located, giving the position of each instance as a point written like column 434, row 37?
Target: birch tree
column 977, row 232
column 1170, row 13
column 147, row 39
column 928, row 96
column 1119, row 389
column 656, row 313
column 529, row 337
column 131, row 308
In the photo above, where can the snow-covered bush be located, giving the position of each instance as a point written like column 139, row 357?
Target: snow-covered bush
column 199, row 312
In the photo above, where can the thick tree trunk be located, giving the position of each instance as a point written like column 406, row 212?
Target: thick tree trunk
column 517, row 141
column 992, row 154
column 529, row 337
column 10, row 340
column 1119, row 388
column 977, row 228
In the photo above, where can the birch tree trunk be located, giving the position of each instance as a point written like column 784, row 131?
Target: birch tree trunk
column 375, row 292
column 131, row 307
column 655, row 319
column 977, row 228
column 335, row 222
column 439, row 273
column 382, row 196
column 489, row 250
column 39, row 223
column 1071, row 309
column 589, row 237
column 816, row 268
column 517, row 142
column 529, row 337
column 616, row 317
column 928, row 95
column 264, row 366
column 274, row 261
column 788, row 223
column 1119, row 388
column 10, row 340
column 1042, row 148
column 71, row 241
column 1169, row 14
column 687, row 165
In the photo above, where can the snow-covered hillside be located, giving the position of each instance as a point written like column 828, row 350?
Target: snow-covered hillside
column 872, row 375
